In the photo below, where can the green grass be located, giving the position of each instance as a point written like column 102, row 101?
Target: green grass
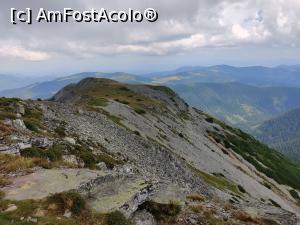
column 115, row 119
column 98, row 101
column 90, row 160
column 294, row 194
column 184, row 116
column 265, row 159
column 117, row 218
column 68, row 200
column 218, row 181
column 268, row 161
column 6, row 108
column 164, row 213
column 97, row 92
column 60, row 131
column 32, row 119
column 209, row 120
column 53, row 154
column 140, row 111
column 54, row 207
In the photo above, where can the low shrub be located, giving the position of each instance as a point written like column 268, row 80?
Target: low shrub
column 4, row 181
column 61, row 131
column 140, row 111
column 137, row 133
column 124, row 89
column 122, row 101
column 5, row 130
column 274, row 203
column 68, row 201
column 33, row 152
column 7, row 115
column 53, row 154
column 241, row 189
column 31, row 124
column 117, row 218
column 12, row 163
column 267, row 185
column 210, row 120
column 196, row 197
column 162, row 212
column 294, row 194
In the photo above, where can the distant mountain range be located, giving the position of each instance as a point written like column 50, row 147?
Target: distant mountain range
column 288, row 76
column 283, row 133
column 241, row 105
column 48, row 88
column 255, row 75
column 14, row 81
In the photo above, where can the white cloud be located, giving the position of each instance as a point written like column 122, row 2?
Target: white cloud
column 22, row 53
column 182, row 27
column 239, row 32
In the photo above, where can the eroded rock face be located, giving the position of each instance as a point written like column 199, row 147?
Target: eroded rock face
column 138, row 199
column 41, row 142
column 9, row 149
column 117, row 191
column 23, row 146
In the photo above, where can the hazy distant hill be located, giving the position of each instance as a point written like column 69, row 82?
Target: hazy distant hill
column 283, row 133
column 49, row 88
column 239, row 104
column 255, row 75
column 12, row 81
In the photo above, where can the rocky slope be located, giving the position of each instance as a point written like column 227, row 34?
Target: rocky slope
column 140, row 150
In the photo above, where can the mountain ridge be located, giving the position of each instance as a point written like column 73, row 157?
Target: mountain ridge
column 252, row 75
column 155, row 149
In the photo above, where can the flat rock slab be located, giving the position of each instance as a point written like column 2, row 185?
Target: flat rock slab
column 168, row 192
column 112, row 195
column 43, row 183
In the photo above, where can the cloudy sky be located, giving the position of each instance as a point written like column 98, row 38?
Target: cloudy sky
column 192, row 32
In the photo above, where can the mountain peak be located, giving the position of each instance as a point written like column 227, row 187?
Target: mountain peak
column 97, row 92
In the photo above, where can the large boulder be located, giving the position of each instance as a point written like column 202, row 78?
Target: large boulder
column 143, row 218
column 19, row 124
column 41, row 142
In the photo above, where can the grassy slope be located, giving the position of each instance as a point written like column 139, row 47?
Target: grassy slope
column 96, row 92
column 266, row 160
